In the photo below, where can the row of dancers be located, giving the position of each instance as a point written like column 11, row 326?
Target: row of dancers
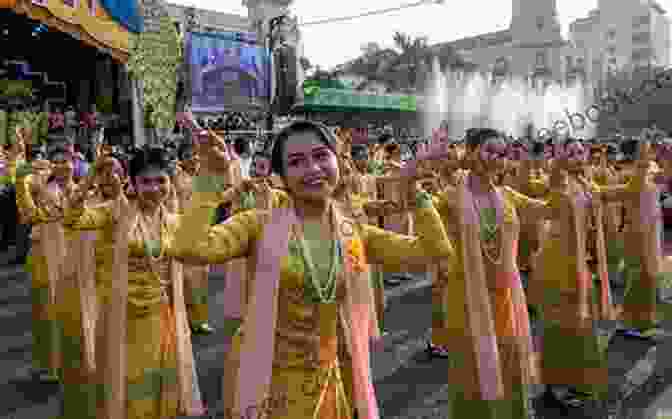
column 120, row 260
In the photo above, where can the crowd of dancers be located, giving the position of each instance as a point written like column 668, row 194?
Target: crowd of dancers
column 508, row 230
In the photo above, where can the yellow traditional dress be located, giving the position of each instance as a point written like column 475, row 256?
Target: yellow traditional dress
column 52, row 265
column 641, row 246
column 304, row 363
column 196, row 276
column 159, row 359
column 572, row 354
column 503, row 314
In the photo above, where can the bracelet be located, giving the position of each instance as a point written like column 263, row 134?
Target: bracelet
column 209, row 183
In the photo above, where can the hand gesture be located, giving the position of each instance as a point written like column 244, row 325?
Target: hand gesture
column 24, row 134
column 263, row 195
column 213, row 152
column 41, row 170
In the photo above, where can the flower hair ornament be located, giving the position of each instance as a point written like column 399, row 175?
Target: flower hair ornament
column 664, row 149
column 574, row 151
column 517, row 150
column 88, row 120
column 56, row 120
column 493, row 150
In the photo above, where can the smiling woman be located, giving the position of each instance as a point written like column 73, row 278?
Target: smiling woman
column 311, row 293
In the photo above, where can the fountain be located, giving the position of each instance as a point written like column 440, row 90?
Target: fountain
column 509, row 105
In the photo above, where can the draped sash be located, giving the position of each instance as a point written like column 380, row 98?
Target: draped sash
column 113, row 367
column 84, row 245
column 480, row 324
column 189, row 392
column 257, row 349
column 53, row 247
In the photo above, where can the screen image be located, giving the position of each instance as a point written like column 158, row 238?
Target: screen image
column 227, row 70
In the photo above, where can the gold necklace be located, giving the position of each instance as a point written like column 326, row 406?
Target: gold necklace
column 492, row 249
column 145, row 236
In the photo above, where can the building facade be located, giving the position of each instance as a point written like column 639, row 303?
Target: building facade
column 617, row 36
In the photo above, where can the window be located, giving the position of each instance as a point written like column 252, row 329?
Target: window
column 541, row 59
column 642, row 37
column 611, row 35
column 612, row 61
column 540, row 23
column 641, row 20
column 500, row 66
column 597, row 67
column 641, row 54
column 611, row 50
column 569, row 61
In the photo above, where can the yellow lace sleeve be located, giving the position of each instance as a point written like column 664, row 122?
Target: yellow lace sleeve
column 198, row 242
column 29, row 212
column 533, row 207
column 90, row 217
column 393, row 250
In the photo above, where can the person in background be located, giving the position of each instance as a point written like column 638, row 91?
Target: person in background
column 242, row 148
column 81, row 166
column 13, row 233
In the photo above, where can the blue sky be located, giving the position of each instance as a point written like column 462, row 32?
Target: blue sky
column 330, row 44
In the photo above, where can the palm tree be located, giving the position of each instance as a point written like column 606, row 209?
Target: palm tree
column 413, row 54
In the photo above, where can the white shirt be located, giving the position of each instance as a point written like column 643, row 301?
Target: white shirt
column 245, row 166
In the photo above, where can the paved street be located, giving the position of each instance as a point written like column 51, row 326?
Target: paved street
column 408, row 385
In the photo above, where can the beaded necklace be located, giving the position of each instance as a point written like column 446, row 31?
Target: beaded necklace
column 317, row 291
column 490, row 232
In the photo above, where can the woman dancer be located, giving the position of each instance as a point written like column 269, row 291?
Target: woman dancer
column 41, row 195
column 487, row 325
column 196, row 276
column 642, row 249
column 570, row 295
column 311, row 277
column 157, row 356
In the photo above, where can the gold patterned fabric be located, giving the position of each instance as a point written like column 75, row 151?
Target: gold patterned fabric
column 305, row 361
column 152, row 326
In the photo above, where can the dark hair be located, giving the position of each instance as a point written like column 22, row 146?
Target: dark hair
column 57, row 149
column 298, row 127
column 630, row 148
column 538, row 148
column 477, row 136
column 392, row 147
column 571, row 140
column 385, row 138
column 57, row 136
column 185, row 151
column 241, row 146
column 149, row 157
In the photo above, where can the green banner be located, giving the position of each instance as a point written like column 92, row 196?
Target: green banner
column 326, row 98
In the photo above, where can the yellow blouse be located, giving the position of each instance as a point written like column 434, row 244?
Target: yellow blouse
column 147, row 281
column 306, row 332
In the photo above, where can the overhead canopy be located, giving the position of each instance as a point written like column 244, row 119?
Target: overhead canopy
column 318, row 99
column 86, row 20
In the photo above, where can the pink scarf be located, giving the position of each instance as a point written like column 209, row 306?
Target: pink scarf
column 479, row 313
column 256, row 359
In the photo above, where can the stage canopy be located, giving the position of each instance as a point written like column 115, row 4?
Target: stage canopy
column 104, row 24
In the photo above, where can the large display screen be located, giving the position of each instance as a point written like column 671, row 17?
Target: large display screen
column 228, row 71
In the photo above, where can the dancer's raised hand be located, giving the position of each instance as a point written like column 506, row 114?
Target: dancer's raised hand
column 213, row 152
